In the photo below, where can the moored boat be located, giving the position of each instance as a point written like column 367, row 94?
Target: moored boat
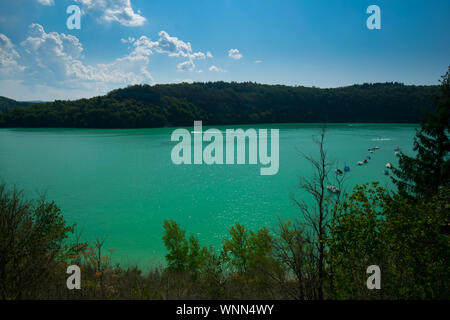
column 333, row 189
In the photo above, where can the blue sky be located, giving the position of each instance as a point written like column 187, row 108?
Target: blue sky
column 323, row 43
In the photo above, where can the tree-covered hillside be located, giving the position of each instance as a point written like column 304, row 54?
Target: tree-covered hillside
column 230, row 103
column 7, row 104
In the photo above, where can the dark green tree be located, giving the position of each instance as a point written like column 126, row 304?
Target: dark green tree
column 401, row 235
column 185, row 254
column 32, row 244
column 425, row 174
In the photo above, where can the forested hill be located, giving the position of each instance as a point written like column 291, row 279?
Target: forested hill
column 7, row 104
column 229, row 103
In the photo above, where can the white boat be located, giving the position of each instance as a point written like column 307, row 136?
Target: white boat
column 333, row 189
column 360, row 163
column 397, row 154
column 389, row 165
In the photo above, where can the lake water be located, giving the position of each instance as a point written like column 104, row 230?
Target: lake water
column 122, row 184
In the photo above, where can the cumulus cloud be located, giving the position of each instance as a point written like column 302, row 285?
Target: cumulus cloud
column 46, row 2
column 55, row 58
column 186, row 66
column 171, row 46
column 215, row 69
column 128, row 40
column 120, row 11
column 8, row 57
column 52, row 63
column 234, row 54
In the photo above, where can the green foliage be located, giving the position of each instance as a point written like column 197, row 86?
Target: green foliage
column 295, row 250
column 250, row 254
column 32, row 235
column 220, row 103
column 418, row 250
column 423, row 175
column 401, row 235
column 237, row 249
column 177, row 246
column 355, row 241
column 183, row 254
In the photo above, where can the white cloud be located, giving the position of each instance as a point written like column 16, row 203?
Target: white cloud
column 120, row 11
column 258, row 61
column 8, row 57
column 128, row 40
column 234, row 54
column 209, row 55
column 198, row 55
column 186, row 66
column 215, row 69
column 54, row 58
column 52, row 63
column 46, row 2
column 172, row 46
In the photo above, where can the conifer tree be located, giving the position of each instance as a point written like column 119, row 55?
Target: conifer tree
column 425, row 174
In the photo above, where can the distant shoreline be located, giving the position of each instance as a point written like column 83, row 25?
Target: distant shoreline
column 220, row 103
column 248, row 125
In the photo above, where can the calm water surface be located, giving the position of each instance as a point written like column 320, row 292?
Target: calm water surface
column 122, row 184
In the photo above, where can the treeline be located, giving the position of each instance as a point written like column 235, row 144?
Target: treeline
column 401, row 236
column 221, row 103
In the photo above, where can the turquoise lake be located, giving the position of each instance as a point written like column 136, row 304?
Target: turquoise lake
column 121, row 184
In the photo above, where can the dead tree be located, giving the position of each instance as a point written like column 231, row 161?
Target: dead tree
column 316, row 216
